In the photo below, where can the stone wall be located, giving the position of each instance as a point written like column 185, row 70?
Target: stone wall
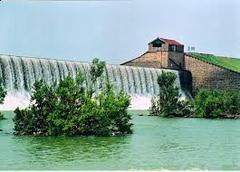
column 178, row 59
column 159, row 59
column 150, row 59
column 206, row 75
column 164, row 47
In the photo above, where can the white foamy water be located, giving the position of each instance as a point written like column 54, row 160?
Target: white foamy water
column 15, row 99
column 140, row 102
column 22, row 100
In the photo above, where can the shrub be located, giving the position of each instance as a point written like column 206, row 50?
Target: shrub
column 3, row 94
column 75, row 108
column 217, row 103
column 167, row 103
column 33, row 119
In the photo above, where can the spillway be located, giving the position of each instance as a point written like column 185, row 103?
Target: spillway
column 19, row 73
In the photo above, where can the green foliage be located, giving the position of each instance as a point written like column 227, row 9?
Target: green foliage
column 168, row 102
column 97, row 69
column 217, row 103
column 3, row 94
column 32, row 120
column 71, row 108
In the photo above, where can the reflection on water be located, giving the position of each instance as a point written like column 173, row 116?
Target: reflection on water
column 156, row 143
column 73, row 148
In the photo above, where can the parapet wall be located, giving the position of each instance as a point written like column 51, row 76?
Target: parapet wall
column 150, row 59
column 206, row 75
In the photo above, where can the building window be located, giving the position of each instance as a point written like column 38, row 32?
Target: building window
column 157, row 44
column 172, row 48
column 175, row 48
column 180, row 49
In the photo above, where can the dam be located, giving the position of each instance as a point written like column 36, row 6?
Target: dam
column 19, row 73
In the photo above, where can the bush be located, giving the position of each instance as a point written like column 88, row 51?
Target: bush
column 33, row 120
column 75, row 107
column 3, row 94
column 217, row 103
column 168, row 102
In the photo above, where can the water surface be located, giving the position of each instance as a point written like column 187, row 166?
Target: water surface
column 157, row 143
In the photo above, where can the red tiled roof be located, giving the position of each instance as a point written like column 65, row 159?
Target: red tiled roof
column 171, row 42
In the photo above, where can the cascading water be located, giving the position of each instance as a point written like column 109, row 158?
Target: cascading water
column 19, row 73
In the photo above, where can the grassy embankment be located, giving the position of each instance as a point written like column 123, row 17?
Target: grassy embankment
column 226, row 62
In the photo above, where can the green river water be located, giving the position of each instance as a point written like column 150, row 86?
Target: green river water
column 156, row 144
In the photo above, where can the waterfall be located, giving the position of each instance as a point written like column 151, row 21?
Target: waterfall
column 18, row 75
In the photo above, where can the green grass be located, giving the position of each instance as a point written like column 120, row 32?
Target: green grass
column 226, row 62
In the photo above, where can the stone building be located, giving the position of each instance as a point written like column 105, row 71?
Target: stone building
column 161, row 53
column 195, row 72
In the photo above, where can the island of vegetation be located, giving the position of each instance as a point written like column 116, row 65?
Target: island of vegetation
column 208, row 103
column 76, row 107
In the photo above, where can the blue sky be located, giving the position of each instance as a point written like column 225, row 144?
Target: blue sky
column 116, row 31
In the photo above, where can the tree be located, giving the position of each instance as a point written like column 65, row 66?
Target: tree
column 3, row 94
column 33, row 119
column 217, row 103
column 74, row 108
column 167, row 103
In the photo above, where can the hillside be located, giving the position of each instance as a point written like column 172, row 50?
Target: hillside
column 226, row 62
